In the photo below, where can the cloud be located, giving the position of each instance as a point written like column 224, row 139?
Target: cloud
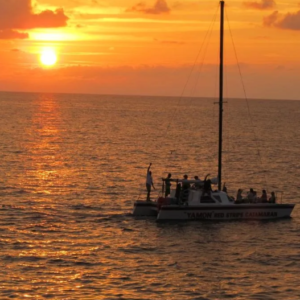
column 9, row 34
column 263, row 4
column 186, row 6
column 283, row 21
column 159, row 7
column 18, row 14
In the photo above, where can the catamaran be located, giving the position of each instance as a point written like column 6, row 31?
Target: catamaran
column 200, row 202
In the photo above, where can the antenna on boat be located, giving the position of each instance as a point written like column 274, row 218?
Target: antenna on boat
column 221, row 93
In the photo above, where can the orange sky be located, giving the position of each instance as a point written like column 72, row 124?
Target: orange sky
column 149, row 47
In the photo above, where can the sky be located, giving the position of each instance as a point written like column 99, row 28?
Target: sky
column 151, row 47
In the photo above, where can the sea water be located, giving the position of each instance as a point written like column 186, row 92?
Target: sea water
column 72, row 166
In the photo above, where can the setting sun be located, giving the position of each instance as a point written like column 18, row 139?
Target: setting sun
column 48, row 57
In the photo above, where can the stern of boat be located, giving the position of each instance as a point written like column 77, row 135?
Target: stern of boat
column 144, row 208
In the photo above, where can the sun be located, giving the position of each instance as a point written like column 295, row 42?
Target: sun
column 48, row 57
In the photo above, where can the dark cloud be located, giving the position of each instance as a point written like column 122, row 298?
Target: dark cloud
column 159, row 7
column 18, row 14
column 9, row 34
column 271, row 19
column 284, row 21
column 263, row 4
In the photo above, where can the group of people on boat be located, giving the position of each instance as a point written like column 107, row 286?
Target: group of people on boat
column 252, row 197
column 184, row 185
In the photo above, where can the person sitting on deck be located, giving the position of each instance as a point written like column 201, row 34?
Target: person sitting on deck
column 255, row 196
column 272, row 199
column 251, row 195
column 264, row 197
column 239, row 196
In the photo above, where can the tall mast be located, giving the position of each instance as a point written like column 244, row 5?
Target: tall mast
column 221, row 93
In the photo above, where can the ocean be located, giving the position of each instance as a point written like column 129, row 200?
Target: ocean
column 72, row 166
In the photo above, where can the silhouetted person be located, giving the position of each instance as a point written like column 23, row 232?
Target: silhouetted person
column 239, row 196
column 251, row 195
column 272, row 198
column 197, row 185
column 264, row 197
column 185, row 184
column 149, row 182
column 206, row 188
column 168, row 185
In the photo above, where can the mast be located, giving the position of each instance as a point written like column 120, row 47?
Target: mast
column 221, row 93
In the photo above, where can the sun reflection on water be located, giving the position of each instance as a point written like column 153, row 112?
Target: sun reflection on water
column 46, row 169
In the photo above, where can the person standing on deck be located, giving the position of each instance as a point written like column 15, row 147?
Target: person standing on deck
column 206, row 192
column 198, row 184
column 149, row 182
column 185, row 183
column 168, row 185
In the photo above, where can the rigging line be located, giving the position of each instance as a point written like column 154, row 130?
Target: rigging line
column 200, row 67
column 195, row 63
column 207, row 37
column 193, row 68
column 245, row 94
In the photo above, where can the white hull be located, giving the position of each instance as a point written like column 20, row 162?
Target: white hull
column 259, row 211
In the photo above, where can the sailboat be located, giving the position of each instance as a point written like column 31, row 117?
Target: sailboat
column 203, row 203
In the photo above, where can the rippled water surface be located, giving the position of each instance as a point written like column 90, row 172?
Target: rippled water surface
column 72, row 165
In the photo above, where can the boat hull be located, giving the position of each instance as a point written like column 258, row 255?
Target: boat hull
column 144, row 208
column 225, row 212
